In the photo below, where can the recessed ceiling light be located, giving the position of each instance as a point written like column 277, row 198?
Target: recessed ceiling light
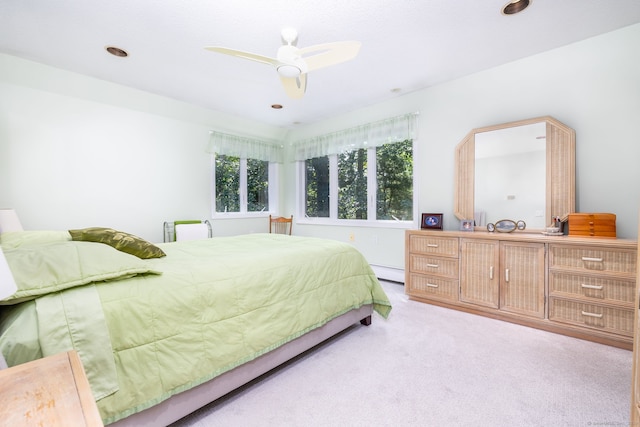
column 116, row 51
column 276, row 106
column 515, row 6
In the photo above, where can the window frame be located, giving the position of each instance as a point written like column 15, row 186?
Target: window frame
column 244, row 213
column 333, row 219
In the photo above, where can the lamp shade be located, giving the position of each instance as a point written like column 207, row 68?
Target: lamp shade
column 9, row 221
column 8, row 285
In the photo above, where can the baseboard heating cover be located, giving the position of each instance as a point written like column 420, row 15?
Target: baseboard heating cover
column 388, row 273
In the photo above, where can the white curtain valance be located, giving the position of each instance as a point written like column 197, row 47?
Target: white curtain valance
column 237, row 146
column 392, row 130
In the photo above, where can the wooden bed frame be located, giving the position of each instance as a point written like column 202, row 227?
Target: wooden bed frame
column 183, row 404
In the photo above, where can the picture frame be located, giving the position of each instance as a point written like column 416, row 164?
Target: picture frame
column 466, row 225
column 431, row 221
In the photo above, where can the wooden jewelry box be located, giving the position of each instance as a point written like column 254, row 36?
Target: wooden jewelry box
column 592, row 224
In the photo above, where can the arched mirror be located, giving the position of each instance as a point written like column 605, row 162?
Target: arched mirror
column 522, row 171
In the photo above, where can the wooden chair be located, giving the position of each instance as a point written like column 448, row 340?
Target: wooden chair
column 280, row 225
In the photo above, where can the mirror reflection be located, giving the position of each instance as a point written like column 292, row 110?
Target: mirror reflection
column 510, row 175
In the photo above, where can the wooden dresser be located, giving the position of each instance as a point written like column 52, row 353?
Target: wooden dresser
column 578, row 286
column 635, row 384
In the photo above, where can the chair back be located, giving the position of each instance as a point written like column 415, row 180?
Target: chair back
column 280, row 224
column 187, row 230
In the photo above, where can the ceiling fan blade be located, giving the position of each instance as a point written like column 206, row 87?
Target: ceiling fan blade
column 324, row 55
column 295, row 87
column 245, row 55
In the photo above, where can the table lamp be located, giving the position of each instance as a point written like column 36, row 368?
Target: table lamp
column 8, row 285
column 9, row 220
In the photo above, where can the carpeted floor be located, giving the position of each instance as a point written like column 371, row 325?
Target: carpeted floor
column 430, row 366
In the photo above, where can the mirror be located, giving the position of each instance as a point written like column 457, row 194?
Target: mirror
column 522, row 170
column 510, row 175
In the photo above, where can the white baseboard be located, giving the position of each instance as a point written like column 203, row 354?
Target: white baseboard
column 388, row 273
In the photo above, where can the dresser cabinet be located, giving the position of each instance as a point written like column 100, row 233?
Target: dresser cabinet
column 507, row 276
column 578, row 286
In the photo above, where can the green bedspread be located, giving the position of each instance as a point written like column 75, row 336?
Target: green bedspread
column 216, row 304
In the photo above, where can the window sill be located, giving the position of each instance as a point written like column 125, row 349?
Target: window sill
column 355, row 223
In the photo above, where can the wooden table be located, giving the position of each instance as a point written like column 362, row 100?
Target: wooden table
column 53, row 391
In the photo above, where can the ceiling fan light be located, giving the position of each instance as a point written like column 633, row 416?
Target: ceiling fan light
column 290, row 71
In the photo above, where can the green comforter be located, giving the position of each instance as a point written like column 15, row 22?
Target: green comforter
column 178, row 321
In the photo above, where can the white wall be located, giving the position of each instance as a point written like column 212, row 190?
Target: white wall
column 78, row 152
column 592, row 86
column 75, row 151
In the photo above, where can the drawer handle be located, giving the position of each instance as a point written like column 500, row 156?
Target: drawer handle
column 596, row 315
column 432, row 245
column 433, row 265
column 431, row 285
column 584, row 285
column 586, row 258
column 491, row 272
column 506, row 274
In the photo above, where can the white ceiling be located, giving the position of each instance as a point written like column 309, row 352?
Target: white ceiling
column 407, row 45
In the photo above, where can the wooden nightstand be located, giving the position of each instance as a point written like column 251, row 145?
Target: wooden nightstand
column 53, row 391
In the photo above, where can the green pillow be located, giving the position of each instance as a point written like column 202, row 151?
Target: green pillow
column 53, row 267
column 120, row 240
column 14, row 239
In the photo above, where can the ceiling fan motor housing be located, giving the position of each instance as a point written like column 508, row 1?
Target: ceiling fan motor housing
column 291, row 64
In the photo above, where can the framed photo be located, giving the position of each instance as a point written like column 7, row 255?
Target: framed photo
column 466, row 225
column 431, row 221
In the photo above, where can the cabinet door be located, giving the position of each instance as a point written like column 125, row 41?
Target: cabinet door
column 635, row 383
column 479, row 276
column 522, row 267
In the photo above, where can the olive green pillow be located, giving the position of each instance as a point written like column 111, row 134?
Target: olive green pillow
column 120, row 240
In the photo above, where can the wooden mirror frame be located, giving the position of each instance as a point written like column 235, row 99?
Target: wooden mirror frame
column 560, row 164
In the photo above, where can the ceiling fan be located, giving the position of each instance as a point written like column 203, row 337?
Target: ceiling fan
column 293, row 63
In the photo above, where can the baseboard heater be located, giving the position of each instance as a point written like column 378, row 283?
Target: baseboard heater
column 388, row 273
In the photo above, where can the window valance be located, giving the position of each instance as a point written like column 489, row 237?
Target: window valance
column 395, row 129
column 237, row 146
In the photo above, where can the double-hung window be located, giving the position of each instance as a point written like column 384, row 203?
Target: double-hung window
column 245, row 175
column 363, row 174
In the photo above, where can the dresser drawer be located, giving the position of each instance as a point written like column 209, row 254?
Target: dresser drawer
column 434, row 245
column 593, row 259
column 438, row 266
column 604, row 318
column 433, row 287
column 603, row 289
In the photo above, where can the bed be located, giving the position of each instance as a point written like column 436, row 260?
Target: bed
column 162, row 335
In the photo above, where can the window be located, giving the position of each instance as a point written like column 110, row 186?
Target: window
column 374, row 183
column 394, row 178
column 245, row 175
column 317, row 187
column 227, row 180
column 352, row 184
column 362, row 174
column 241, row 185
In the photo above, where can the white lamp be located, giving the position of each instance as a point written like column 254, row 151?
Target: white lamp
column 8, row 285
column 9, row 220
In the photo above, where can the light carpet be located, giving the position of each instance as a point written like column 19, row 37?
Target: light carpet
column 431, row 366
